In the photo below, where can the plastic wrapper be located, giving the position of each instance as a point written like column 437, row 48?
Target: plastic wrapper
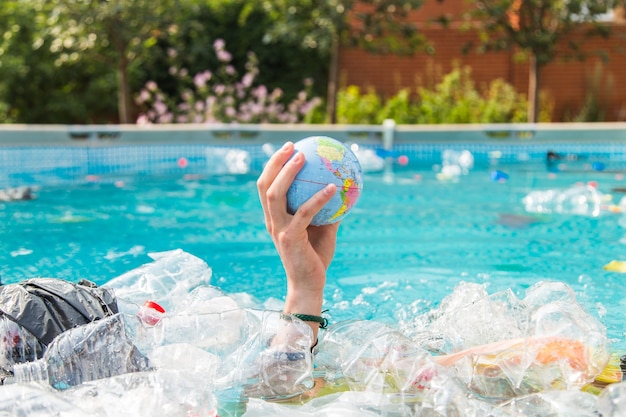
column 549, row 341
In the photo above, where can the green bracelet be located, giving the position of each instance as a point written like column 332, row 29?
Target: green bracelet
column 323, row 321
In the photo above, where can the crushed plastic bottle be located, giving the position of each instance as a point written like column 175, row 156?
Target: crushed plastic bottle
column 158, row 393
column 265, row 352
column 100, row 349
column 584, row 200
column 550, row 343
column 17, row 345
column 371, row 356
column 553, row 403
column 454, row 164
column 612, row 401
column 227, row 160
column 33, row 400
column 168, row 279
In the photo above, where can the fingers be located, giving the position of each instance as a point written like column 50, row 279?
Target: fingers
column 305, row 213
column 273, row 167
column 273, row 184
column 269, row 174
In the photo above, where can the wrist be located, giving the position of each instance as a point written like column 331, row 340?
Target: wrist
column 304, row 301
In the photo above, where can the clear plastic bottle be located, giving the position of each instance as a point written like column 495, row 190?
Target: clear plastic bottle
column 17, row 345
column 583, row 200
column 97, row 350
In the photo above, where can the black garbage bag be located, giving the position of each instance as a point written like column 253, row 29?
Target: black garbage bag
column 33, row 312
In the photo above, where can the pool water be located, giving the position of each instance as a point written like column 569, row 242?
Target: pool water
column 408, row 242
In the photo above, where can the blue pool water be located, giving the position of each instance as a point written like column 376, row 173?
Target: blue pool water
column 410, row 240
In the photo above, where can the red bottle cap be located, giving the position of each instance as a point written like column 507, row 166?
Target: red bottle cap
column 154, row 305
column 150, row 313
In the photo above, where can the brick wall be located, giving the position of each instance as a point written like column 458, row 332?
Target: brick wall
column 567, row 83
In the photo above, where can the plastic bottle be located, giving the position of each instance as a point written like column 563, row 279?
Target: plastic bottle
column 17, row 345
column 581, row 200
column 97, row 350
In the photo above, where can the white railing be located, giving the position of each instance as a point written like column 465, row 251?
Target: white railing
column 385, row 135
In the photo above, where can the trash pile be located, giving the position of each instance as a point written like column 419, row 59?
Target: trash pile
column 174, row 345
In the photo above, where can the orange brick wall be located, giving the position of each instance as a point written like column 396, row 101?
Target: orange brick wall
column 566, row 83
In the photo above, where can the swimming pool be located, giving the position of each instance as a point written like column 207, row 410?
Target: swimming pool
column 410, row 240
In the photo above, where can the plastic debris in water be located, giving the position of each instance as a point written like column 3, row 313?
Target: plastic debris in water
column 585, row 200
column 615, row 266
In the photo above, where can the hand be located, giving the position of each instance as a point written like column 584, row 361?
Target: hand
column 305, row 251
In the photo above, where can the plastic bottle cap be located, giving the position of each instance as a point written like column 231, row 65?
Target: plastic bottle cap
column 151, row 313
column 154, row 305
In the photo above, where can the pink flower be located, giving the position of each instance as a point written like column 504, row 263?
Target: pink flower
column 143, row 96
column 160, row 107
column 219, row 45
column 224, row 56
column 201, row 78
column 247, row 79
column 143, row 120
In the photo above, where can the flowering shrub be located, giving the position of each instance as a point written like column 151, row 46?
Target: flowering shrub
column 220, row 96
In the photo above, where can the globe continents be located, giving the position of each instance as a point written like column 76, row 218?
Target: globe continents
column 327, row 161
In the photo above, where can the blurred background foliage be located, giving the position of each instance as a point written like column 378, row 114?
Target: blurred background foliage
column 60, row 60
column 88, row 62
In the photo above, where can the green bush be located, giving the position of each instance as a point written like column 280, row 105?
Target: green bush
column 356, row 108
column 502, row 104
column 399, row 108
column 454, row 99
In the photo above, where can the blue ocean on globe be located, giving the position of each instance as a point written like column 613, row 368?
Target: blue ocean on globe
column 327, row 161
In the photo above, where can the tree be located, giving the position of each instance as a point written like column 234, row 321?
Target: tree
column 540, row 28
column 37, row 85
column 380, row 26
column 114, row 31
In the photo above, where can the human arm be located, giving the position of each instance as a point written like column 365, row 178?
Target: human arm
column 305, row 251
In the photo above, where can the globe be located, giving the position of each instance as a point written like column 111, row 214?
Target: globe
column 327, row 161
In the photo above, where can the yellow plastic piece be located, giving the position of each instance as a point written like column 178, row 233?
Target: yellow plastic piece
column 615, row 266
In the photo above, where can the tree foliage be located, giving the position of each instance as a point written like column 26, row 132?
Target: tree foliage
column 381, row 26
column 68, row 61
column 541, row 29
column 113, row 32
column 35, row 85
column 220, row 95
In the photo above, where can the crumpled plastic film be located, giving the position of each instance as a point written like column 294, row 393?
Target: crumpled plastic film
column 168, row 279
column 371, row 356
column 277, row 361
column 160, row 393
column 265, row 352
column 551, row 403
column 560, row 346
column 612, row 401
